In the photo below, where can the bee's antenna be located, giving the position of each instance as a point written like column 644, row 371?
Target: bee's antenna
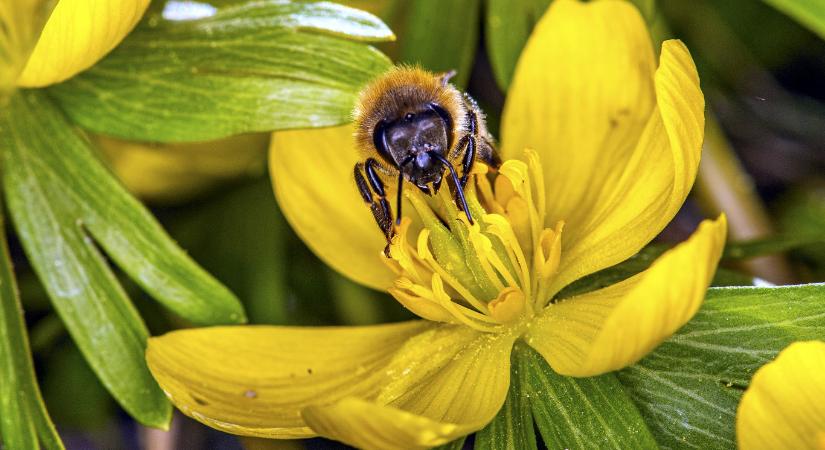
column 459, row 189
column 406, row 161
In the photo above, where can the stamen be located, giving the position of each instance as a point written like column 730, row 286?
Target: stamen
column 423, row 307
column 400, row 251
column 519, row 178
column 508, row 306
column 487, row 197
column 484, row 274
column 546, row 263
column 483, row 248
column 518, row 214
column 499, row 227
column 504, row 190
column 445, row 301
column 550, row 248
column 502, row 270
column 458, row 287
column 441, row 294
column 480, row 283
column 445, row 245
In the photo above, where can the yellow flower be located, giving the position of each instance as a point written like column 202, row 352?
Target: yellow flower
column 617, row 144
column 783, row 407
column 171, row 173
column 77, row 35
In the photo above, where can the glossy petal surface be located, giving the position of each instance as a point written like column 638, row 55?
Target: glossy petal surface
column 783, row 407
column 451, row 373
column 374, row 427
column 77, row 35
column 614, row 327
column 444, row 383
column 582, row 93
column 255, row 380
column 312, row 171
column 654, row 182
column 620, row 143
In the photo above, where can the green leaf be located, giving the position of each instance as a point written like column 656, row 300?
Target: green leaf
column 63, row 202
column 24, row 422
column 253, row 66
column 688, row 388
column 642, row 260
column 579, row 412
column 767, row 246
column 508, row 25
column 730, row 277
column 87, row 200
column 512, row 428
column 438, row 35
column 20, row 25
column 457, row 444
column 42, row 179
column 613, row 275
column 810, row 13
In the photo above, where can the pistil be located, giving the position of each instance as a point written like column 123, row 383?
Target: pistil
column 490, row 275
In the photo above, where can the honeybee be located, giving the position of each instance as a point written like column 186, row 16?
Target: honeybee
column 414, row 125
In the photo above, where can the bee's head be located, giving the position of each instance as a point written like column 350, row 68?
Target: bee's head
column 411, row 139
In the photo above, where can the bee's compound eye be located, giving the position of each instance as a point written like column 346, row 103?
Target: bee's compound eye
column 448, row 121
column 409, row 117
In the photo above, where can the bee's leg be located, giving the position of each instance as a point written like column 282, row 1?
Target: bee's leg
column 459, row 148
column 380, row 208
column 484, row 148
column 460, row 200
column 469, row 157
column 487, row 153
column 372, row 176
column 470, row 137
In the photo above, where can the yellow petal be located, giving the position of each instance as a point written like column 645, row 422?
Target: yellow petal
column 619, row 144
column 312, row 171
column 451, row 373
column 255, row 380
column 370, row 426
column 77, row 35
column 654, row 181
column 783, row 407
column 443, row 383
column 21, row 22
column 420, row 306
column 616, row 326
column 581, row 95
column 174, row 173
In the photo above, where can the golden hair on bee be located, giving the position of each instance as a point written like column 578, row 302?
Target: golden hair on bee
column 414, row 125
column 400, row 91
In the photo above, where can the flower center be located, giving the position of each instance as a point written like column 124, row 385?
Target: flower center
column 489, row 275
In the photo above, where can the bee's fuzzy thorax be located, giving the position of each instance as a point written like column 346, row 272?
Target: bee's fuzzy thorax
column 403, row 89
